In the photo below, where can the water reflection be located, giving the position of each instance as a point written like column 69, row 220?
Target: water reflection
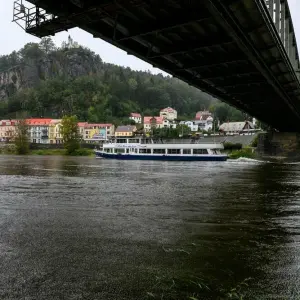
column 99, row 229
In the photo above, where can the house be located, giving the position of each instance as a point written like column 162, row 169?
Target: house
column 154, row 122
column 125, row 131
column 237, row 127
column 191, row 124
column 97, row 132
column 81, row 126
column 7, row 130
column 38, row 130
column 136, row 117
column 168, row 114
column 204, row 120
column 55, row 136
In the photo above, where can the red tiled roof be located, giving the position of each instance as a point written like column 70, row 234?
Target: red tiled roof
column 202, row 115
column 8, row 122
column 135, row 115
column 81, row 124
column 39, row 121
column 159, row 120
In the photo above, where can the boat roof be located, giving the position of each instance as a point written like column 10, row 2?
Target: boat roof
column 165, row 146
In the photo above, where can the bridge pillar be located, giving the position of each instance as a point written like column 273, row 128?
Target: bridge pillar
column 279, row 145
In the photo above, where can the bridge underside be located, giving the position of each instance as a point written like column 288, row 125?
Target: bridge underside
column 228, row 48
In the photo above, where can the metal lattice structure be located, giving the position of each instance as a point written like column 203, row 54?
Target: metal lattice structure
column 235, row 50
column 280, row 14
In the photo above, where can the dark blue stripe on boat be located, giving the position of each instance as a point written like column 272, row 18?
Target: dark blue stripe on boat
column 162, row 157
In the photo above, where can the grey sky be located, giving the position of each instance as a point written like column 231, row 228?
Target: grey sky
column 12, row 37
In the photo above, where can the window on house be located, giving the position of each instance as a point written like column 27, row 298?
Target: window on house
column 200, row 151
column 173, row 151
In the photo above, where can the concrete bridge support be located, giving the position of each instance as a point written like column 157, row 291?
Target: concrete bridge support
column 279, row 146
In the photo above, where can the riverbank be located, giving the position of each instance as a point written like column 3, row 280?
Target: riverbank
column 78, row 152
column 246, row 152
column 51, row 152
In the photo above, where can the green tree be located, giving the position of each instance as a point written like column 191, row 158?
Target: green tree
column 21, row 138
column 47, row 45
column 70, row 134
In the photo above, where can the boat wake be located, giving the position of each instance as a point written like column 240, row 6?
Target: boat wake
column 247, row 160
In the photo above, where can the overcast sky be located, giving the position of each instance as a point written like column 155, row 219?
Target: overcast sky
column 12, row 37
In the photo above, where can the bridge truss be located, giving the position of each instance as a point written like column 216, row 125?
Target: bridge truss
column 242, row 51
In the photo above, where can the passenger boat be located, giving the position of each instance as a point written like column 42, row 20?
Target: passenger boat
column 147, row 149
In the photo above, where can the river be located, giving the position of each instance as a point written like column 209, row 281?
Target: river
column 82, row 228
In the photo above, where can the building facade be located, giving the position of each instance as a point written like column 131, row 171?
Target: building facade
column 191, row 124
column 7, row 130
column 125, row 131
column 38, row 130
column 55, row 136
column 97, row 132
column 204, row 120
column 231, row 128
column 153, row 123
column 136, row 117
column 168, row 113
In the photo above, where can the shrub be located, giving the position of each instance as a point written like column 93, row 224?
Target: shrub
column 231, row 146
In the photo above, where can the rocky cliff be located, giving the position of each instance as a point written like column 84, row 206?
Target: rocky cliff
column 69, row 63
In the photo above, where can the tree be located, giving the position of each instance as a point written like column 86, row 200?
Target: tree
column 70, row 134
column 47, row 45
column 21, row 138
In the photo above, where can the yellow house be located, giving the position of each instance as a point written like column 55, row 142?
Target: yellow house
column 55, row 136
column 125, row 131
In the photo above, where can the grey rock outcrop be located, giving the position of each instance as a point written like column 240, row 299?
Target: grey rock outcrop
column 69, row 63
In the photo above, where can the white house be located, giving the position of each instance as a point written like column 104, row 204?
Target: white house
column 194, row 127
column 168, row 113
column 204, row 120
column 136, row 117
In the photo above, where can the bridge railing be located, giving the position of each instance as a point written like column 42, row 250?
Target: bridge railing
column 281, row 16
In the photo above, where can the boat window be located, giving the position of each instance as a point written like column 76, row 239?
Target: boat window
column 200, row 151
column 159, row 151
column 120, row 150
column 121, row 141
column 173, row 151
column 147, row 151
column 187, row 151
